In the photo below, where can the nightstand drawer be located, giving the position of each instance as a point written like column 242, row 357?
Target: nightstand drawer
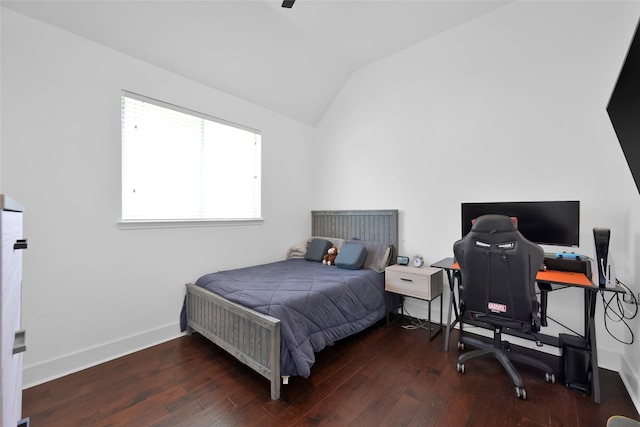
column 424, row 283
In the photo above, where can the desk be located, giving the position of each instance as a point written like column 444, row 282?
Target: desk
column 554, row 280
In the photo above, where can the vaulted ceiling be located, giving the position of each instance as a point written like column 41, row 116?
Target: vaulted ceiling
column 292, row 61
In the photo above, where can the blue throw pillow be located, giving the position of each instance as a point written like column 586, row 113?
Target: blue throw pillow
column 351, row 256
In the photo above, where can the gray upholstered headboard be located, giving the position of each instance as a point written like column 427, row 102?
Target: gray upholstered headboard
column 371, row 225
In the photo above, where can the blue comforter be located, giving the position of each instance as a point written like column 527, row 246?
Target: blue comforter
column 316, row 304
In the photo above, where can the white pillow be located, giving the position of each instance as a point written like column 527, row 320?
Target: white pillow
column 299, row 249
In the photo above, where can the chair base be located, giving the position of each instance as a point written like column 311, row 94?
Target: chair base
column 500, row 350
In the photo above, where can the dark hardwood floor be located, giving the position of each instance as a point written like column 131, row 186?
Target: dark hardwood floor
column 385, row 376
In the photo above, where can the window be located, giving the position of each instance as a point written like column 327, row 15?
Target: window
column 180, row 165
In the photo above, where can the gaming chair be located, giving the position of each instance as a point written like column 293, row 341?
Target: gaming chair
column 498, row 268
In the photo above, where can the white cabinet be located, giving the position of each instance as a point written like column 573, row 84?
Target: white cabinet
column 12, row 342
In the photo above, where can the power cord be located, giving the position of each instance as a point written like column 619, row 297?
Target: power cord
column 559, row 323
column 617, row 312
column 614, row 313
column 564, row 326
column 415, row 323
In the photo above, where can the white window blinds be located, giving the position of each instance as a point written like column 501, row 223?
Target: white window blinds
column 180, row 165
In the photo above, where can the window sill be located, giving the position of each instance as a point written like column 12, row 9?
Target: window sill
column 141, row 224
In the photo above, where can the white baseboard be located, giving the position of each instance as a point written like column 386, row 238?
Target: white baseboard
column 630, row 375
column 56, row 368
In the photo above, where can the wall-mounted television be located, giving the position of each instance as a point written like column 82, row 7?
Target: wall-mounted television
column 545, row 223
column 624, row 107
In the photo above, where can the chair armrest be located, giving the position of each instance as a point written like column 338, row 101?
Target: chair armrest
column 544, row 287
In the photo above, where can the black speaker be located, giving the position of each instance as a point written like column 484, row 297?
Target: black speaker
column 551, row 262
column 601, row 237
column 576, row 361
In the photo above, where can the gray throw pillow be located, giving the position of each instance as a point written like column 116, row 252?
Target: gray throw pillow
column 316, row 250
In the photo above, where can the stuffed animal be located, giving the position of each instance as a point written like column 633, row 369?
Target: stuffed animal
column 330, row 257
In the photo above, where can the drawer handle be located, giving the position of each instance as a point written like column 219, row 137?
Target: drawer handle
column 406, row 280
column 20, row 341
column 20, row 244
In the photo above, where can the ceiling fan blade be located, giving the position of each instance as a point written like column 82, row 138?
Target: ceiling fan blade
column 288, row 3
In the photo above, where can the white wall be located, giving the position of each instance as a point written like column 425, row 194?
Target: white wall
column 510, row 106
column 92, row 292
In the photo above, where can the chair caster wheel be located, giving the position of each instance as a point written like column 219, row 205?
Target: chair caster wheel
column 550, row 378
column 460, row 345
column 521, row 393
column 460, row 367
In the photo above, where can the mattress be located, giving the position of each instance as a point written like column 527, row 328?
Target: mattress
column 315, row 303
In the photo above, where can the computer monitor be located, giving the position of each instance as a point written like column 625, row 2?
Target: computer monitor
column 554, row 223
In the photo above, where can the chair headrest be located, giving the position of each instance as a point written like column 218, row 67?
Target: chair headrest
column 493, row 224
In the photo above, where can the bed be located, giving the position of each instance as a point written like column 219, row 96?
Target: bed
column 296, row 307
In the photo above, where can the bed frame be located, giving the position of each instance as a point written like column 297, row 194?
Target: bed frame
column 254, row 338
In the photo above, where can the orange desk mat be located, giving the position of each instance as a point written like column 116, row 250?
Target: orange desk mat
column 567, row 277
column 555, row 276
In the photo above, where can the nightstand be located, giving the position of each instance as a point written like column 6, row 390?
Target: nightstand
column 424, row 283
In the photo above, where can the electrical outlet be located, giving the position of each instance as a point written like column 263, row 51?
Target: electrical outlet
column 627, row 298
